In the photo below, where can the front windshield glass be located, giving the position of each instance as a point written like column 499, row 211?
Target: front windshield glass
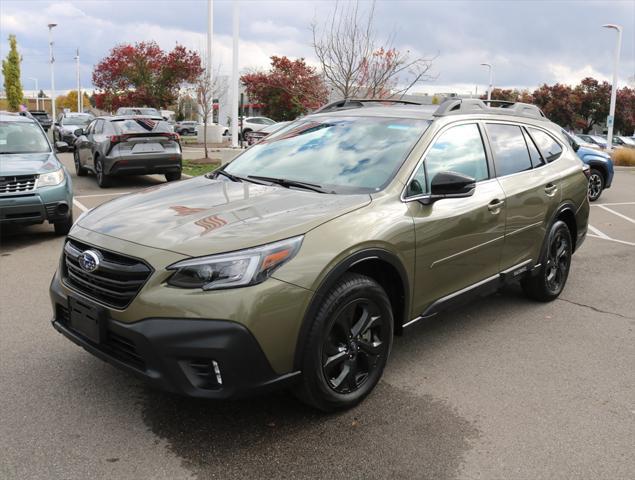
column 346, row 154
column 22, row 137
column 77, row 120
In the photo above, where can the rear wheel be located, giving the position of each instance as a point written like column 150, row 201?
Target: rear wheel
column 79, row 170
column 348, row 344
column 103, row 180
column 596, row 184
column 553, row 272
column 173, row 176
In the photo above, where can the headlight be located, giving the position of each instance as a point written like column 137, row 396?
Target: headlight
column 236, row 269
column 53, row 178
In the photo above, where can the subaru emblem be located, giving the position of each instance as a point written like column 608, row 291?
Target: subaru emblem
column 89, row 260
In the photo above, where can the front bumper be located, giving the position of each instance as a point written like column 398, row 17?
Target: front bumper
column 205, row 358
column 53, row 204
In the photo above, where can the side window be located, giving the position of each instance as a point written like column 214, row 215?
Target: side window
column 91, row 127
column 99, row 126
column 550, row 149
column 458, row 149
column 534, row 154
column 509, row 148
column 108, row 128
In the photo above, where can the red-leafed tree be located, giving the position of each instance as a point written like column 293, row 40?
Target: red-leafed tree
column 558, row 103
column 510, row 95
column 625, row 111
column 290, row 88
column 593, row 99
column 143, row 75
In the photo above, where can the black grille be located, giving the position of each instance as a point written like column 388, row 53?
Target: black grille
column 116, row 281
column 125, row 350
column 17, row 184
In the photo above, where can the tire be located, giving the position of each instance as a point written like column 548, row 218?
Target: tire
column 596, row 184
column 243, row 135
column 347, row 345
column 103, row 180
column 63, row 227
column 79, row 170
column 173, row 176
column 551, row 278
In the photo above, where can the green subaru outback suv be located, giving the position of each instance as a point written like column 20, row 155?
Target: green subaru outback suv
column 297, row 263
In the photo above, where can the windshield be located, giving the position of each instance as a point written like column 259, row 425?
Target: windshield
column 22, row 137
column 77, row 120
column 347, row 154
column 140, row 125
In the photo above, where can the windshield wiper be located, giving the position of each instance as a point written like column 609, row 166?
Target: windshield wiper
column 232, row 177
column 285, row 182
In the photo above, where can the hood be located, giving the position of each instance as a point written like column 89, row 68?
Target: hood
column 203, row 216
column 584, row 151
column 28, row 163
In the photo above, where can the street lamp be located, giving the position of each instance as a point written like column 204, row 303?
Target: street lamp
column 52, row 60
column 37, row 93
column 489, row 90
column 610, row 119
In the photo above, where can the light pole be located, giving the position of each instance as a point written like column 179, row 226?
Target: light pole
column 489, row 90
column 610, row 119
column 79, row 87
column 235, row 80
column 37, row 93
column 52, row 59
column 210, row 40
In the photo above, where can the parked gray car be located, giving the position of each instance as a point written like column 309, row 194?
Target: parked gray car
column 126, row 145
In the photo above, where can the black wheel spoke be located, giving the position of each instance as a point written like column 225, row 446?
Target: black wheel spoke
column 336, row 359
column 370, row 348
column 337, row 382
column 351, row 378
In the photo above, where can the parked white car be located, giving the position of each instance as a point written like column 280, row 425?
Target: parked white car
column 252, row 124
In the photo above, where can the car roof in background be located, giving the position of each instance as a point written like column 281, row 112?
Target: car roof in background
column 14, row 117
column 112, row 118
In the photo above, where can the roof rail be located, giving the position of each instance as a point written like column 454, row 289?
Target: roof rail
column 474, row 105
column 349, row 103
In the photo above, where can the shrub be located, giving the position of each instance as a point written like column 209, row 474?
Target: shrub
column 624, row 157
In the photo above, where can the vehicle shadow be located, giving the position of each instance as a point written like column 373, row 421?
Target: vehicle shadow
column 16, row 236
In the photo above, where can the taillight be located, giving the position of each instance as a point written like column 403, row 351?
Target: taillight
column 172, row 136
column 115, row 139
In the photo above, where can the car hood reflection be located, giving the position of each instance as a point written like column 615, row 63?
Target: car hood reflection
column 202, row 216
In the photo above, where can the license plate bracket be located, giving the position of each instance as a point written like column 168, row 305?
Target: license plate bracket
column 86, row 319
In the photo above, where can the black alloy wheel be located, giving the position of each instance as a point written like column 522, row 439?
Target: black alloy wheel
column 103, row 180
column 79, row 170
column 558, row 261
column 596, row 185
column 355, row 344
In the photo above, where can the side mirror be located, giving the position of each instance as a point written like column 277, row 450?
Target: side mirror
column 79, row 132
column 449, row 185
column 575, row 146
column 61, row 147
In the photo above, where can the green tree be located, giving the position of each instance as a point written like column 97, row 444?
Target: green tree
column 11, row 73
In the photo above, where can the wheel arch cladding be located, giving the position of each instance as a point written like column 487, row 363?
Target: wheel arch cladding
column 567, row 215
column 380, row 265
column 600, row 165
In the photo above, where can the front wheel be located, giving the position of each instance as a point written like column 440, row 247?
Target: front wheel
column 63, row 227
column 348, row 344
column 79, row 170
column 596, row 184
column 553, row 272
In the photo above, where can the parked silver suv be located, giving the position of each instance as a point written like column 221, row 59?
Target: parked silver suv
column 127, row 145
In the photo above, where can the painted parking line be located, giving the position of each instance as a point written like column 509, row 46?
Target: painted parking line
column 623, row 242
column 597, row 233
column 616, row 213
column 611, row 204
column 101, row 195
column 80, row 205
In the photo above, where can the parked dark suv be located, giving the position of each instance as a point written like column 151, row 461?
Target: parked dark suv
column 297, row 263
column 43, row 118
column 126, row 145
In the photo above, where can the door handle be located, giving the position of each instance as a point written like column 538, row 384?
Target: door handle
column 551, row 188
column 495, row 205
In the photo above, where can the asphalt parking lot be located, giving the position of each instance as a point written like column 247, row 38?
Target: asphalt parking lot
column 502, row 389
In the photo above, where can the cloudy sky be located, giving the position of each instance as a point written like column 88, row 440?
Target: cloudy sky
column 529, row 42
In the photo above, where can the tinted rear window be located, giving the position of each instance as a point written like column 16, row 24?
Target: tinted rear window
column 509, row 148
column 548, row 146
column 140, row 125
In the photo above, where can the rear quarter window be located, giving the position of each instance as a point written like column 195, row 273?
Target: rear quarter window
column 549, row 148
column 509, row 148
